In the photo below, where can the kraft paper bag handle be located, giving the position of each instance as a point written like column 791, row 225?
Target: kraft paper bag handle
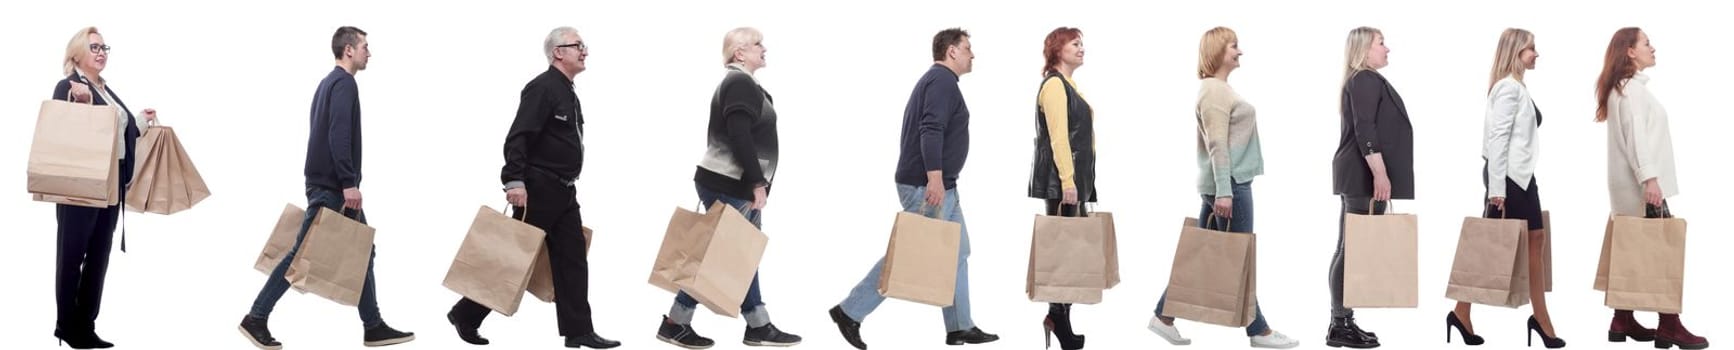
column 1371, row 205
column 1489, row 210
column 525, row 211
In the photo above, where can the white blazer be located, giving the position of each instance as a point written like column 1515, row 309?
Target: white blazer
column 1510, row 143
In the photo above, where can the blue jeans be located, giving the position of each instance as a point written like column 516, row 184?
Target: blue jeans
column 276, row 285
column 1241, row 223
column 751, row 309
column 865, row 297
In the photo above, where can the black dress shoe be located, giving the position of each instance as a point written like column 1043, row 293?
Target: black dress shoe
column 971, row 336
column 466, row 333
column 1344, row 333
column 850, row 328
column 592, row 341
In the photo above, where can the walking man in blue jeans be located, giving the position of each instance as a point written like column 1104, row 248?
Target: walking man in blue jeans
column 333, row 173
column 934, row 144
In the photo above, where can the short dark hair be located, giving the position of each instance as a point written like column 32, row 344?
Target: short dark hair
column 345, row 37
column 946, row 39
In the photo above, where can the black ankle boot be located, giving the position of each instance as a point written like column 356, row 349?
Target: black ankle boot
column 1058, row 324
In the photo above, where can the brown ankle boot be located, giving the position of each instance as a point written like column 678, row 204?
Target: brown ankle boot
column 1669, row 332
column 1625, row 326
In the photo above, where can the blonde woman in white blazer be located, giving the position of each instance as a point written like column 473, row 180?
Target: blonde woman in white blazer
column 1640, row 164
column 1511, row 145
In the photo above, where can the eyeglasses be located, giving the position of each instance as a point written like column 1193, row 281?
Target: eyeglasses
column 99, row 48
column 580, row 45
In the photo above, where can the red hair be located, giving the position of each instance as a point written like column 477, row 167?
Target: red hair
column 1616, row 68
column 1057, row 41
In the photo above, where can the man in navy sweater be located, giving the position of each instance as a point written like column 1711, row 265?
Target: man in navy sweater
column 935, row 142
column 333, row 173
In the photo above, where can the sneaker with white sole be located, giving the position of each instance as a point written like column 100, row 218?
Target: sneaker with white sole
column 1276, row 340
column 1168, row 332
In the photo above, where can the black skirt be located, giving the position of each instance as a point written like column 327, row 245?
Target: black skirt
column 1519, row 203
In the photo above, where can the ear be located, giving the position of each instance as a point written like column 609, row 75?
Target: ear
column 1632, row 53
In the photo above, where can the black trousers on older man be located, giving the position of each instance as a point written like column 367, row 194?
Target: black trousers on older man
column 556, row 211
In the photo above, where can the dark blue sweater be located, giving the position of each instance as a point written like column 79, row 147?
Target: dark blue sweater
column 935, row 130
column 334, row 137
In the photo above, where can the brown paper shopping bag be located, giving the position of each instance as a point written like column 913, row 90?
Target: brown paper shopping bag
column 542, row 275
column 1380, row 268
column 495, row 260
column 724, row 272
column 921, row 260
column 144, row 177
column 166, row 182
column 1601, row 282
column 281, row 240
column 1110, row 248
column 1647, row 266
column 1492, row 263
column 332, row 261
column 1214, row 278
column 73, row 155
column 1546, row 252
column 1067, row 260
column 677, row 242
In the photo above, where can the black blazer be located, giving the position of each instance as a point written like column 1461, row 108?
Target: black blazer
column 1374, row 121
column 63, row 92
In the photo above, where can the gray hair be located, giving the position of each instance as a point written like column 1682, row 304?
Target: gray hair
column 556, row 38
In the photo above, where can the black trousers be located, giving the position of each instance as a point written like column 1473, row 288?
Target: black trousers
column 86, row 236
column 553, row 207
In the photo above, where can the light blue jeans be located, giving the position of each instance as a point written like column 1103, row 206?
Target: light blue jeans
column 1240, row 223
column 865, row 297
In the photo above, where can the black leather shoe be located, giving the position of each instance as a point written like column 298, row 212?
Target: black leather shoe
column 256, row 332
column 467, row 333
column 681, row 335
column 971, row 336
column 592, row 341
column 850, row 328
column 1344, row 333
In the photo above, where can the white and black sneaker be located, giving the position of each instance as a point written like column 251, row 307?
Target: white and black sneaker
column 769, row 335
column 681, row 335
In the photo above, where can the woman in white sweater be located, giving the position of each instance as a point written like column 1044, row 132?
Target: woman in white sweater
column 1640, row 164
column 1511, row 146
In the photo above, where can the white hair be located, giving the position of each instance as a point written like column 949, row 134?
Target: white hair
column 556, row 38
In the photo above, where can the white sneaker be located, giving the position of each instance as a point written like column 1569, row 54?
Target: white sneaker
column 1276, row 340
column 1167, row 332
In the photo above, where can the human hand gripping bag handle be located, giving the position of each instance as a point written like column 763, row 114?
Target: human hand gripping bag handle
column 1380, row 265
column 73, row 157
column 494, row 263
column 921, row 258
column 1068, row 260
column 332, row 261
column 1492, row 262
column 1214, row 278
column 1645, row 260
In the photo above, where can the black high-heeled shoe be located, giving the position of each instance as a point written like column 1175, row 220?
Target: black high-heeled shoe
column 1451, row 321
column 1548, row 341
column 81, row 340
column 1058, row 324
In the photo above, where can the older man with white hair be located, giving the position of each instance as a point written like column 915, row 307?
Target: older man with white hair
column 544, row 155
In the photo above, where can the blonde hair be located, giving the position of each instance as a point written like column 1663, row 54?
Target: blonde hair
column 1211, row 49
column 739, row 39
column 1355, row 51
column 77, row 49
column 1508, row 59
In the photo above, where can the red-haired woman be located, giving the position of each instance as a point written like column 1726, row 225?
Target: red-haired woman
column 1064, row 170
column 1640, row 164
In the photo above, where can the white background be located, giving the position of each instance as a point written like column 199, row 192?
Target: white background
column 235, row 80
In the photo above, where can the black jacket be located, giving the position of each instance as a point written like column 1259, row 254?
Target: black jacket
column 1081, row 134
column 334, row 137
column 1374, row 121
column 547, row 136
column 63, row 92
